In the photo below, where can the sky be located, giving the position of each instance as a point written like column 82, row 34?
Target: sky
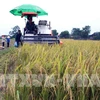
column 63, row 14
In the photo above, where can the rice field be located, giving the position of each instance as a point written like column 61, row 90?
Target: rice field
column 56, row 72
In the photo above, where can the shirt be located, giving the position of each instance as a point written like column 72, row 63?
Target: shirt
column 3, row 39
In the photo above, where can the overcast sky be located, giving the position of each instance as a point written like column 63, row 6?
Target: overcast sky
column 63, row 14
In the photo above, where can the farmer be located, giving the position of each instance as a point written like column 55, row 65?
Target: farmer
column 8, row 41
column 3, row 41
column 30, row 25
column 18, row 38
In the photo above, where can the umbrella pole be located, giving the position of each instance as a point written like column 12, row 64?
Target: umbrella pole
column 25, row 26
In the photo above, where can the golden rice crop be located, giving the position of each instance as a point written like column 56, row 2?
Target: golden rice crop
column 59, row 71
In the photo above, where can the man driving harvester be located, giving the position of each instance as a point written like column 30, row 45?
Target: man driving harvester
column 30, row 26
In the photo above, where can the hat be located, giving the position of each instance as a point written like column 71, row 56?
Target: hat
column 8, row 36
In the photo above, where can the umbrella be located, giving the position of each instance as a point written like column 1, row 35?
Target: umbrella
column 17, row 11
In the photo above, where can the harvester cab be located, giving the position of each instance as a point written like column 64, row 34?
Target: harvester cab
column 44, row 27
column 41, row 33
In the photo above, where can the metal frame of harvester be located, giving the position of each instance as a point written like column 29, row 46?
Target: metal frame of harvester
column 41, row 37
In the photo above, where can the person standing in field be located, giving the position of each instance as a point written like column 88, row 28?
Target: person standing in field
column 18, row 38
column 3, row 41
column 8, row 41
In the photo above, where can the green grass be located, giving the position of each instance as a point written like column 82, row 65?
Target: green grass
column 73, row 57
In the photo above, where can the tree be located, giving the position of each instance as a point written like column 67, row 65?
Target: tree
column 14, row 30
column 64, row 34
column 76, row 33
column 85, row 31
column 54, row 32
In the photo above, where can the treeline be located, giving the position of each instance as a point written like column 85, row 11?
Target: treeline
column 77, row 33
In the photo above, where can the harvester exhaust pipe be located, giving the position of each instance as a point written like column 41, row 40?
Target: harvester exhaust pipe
column 49, row 25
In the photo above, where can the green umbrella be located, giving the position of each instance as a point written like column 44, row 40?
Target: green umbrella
column 17, row 11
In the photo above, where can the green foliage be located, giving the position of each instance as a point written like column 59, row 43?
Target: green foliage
column 76, row 32
column 64, row 34
column 85, row 32
column 14, row 31
column 54, row 32
column 81, row 34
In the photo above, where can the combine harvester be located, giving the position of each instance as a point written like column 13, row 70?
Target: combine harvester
column 43, row 33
